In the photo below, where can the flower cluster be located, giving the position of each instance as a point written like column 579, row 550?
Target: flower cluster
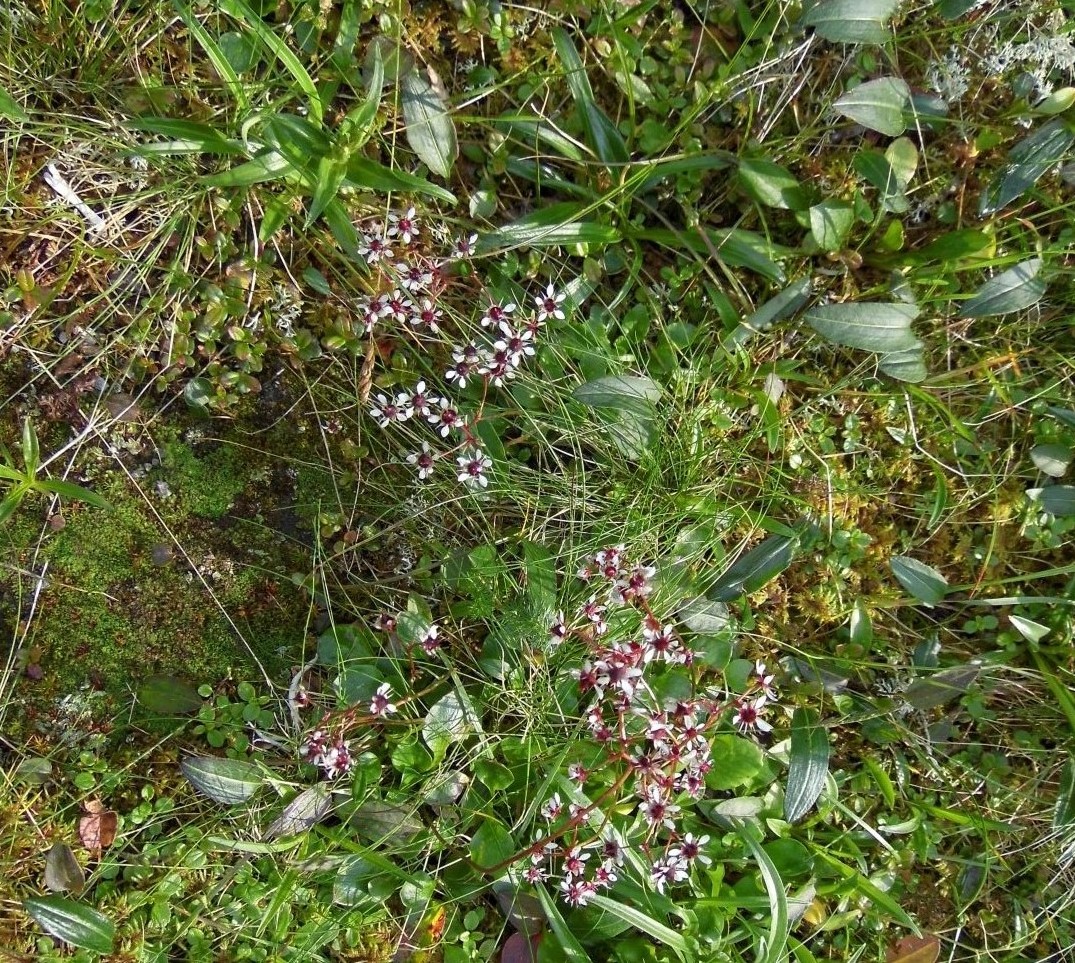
column 409, row 284
column 657, row 748
column 332, row 755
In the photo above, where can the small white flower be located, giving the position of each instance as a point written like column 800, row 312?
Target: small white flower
column 464, row 247
column 426, row 314
column 429, row 640
column 381, row 705
column 404, row 226
column 496, row 314
column 423, row 460
column 748, row 715
column 548, row 305
column 472, row 467
column 444, row 419
column 387, row 412
column 374, row 247
column 552, row 808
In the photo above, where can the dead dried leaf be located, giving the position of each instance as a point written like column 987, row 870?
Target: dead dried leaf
column 914, row 949
column 97, row 829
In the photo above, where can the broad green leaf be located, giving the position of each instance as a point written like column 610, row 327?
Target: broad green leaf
column 772, row 185
column 923, row 581
column 830, row 224
column 306, row 810
column 226, row 781
column 533, row 131
column 31, row 449
column 902, row 157
column 197, row 137
column 1056, row 499
column 1064, row 812
column 752, row 570
column 1029, row 629
column 907, row 365
column 449, row 720
column 737, row 761
column 875, row 326
column 240, row 50
column 1012, row 290
column 329, row 176
column 63, row 874
column 356, row 127
column 731, row 246
column 270, row 165
column 876, row 895
column 493, row 774
column 73, row 923
column 941, row 687
column 550, row 226
column 778, row 307
column 632, row 393
column 878, row 105
column 73, row 492
column 371, row 175
column 9, row 107
column 279, row 49
column 1057, row 102
column 491, row 845
column 645, row 923
column 11, row 501
column 808, row 764
column 1053, row 459
column 601, row 133
column 851, row 21
column 953, row 246
column 876, row 169
column 169, row 696
column 430, row 129
column 1032, row 157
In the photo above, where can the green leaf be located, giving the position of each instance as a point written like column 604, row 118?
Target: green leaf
column 851, row 21
column 430, row 130
column 902, row 157
column 73, row 492
column 774, row 949
column 752, row 570
column 1029, row 629
column 601, row 134
column 645, row 923
column 550, row 226
column 278, row 48
column 809, row 764
column 953, row 246
column 31, row 450
column 737, row 761
column 540, row 576
column 869, row 326
column 73, row 923
column 830, row 224
column 907, row 365
column 878, row 171
column 1011, row 290
column 1064, row 812
column 371, row 175
column 941, row 687
column 226, row 781
column 772, row 185
column 923, row 581
column 778, row 307
column 328, row 178
column 632, row 393
column 169, row 696
column 493, row 774
column 216, row 56
column 878, row 105
column 731, row 246
column 63, row 873
column 1028, row 161
column 877, row 896
column 1052, row 459
column 491, row 845
column 1056, row 499
column 187, row 136
column 305, row 811
column 269, row 165
column 356, row 127
column 449, row 720
column 11, row 501
column 10, row 108
column 570, row 946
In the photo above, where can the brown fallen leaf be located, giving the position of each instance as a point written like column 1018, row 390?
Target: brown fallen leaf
column 914, row 949
column 97, row 829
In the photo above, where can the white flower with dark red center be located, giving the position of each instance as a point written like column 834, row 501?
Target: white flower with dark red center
column 464, row 247
column 423, row 460
column 548, row 305
column 577, row 772
column 414, row 277
column 594, row 717
column 385, row 623
column 472, row 467
column 748, row 715
column 613, row 851
column 690, row 849
column 387, row 412
column 604, row 876
column 444, row 419
column 497, row 367
column 337, row 760
column 369, row 314
column 516, row 345
column 425, row 314
column 535, row 874
column 429, row 640
column 585, row 572
column 667, row 870
column 374, row 248
column 764, row 681
column 595, row 612
column 657, row 645
column 578, row 892
column 495, row 314
column 417, row 400
column 397, row 307
column 404, row 226
column 575, row 810
column 381, row 704
column 466, row 361
column 315, row 746
column 657, row 809
column 552, row 808
column 575, row 861
column 692, row 783
column 658, row 731
column 634, row 584
column 558, row 630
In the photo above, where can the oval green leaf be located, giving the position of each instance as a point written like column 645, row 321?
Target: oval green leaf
column 877, row 105
column 226, row 781
column 923, row 581
column 430, row 130
column 1012, row 290
column 809, row 764
column 851, row 21
column 869, row 326
column 73, row 923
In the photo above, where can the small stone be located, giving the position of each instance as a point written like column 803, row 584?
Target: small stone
column 162, row 554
